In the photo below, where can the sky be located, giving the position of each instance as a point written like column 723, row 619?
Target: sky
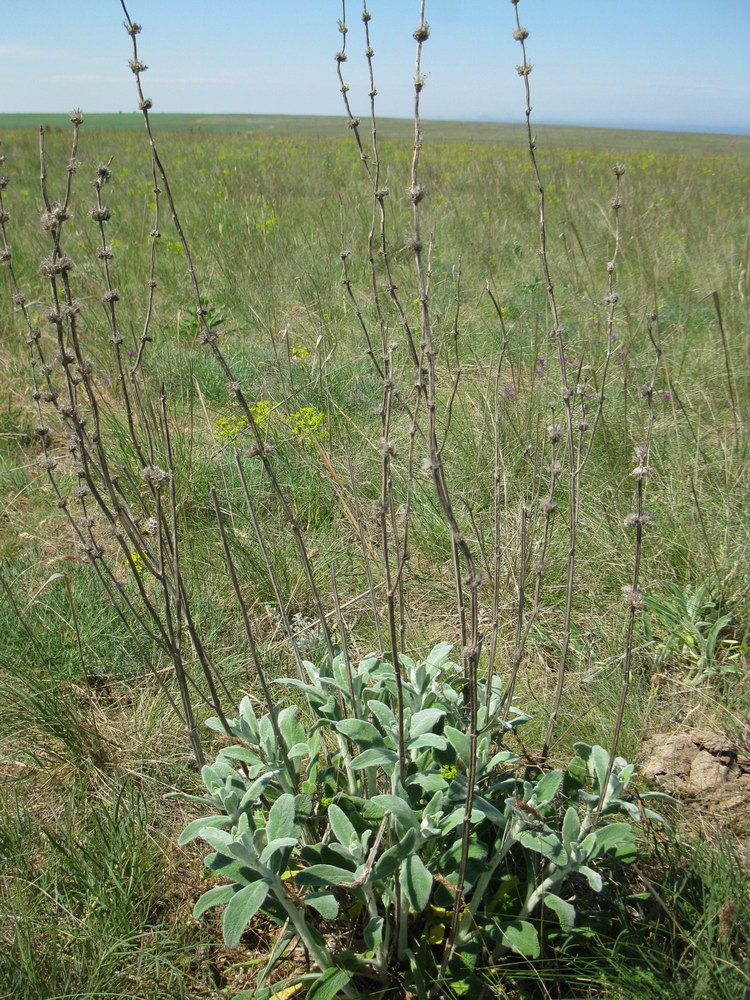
column 675, row 64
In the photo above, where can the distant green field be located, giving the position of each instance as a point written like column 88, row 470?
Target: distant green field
column 319, row 126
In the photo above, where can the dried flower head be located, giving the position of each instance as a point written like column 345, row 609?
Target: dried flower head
column 112, row 295
column 55, row 264
column 146, row 104
column 547, row 506
column 155, row 477
column 422, row 33
column 641, row 471
column 632, row 596
column 524, row 69
column 137, row 66
column 102, row 214
column 619, row 169
column 4, row 216
column 555, row 433
column 520, row 34
column 132, row 28
column 76, row 116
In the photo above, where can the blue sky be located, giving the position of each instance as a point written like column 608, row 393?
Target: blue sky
column 682, row 64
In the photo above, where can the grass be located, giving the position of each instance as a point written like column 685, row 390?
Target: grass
column 88, row 745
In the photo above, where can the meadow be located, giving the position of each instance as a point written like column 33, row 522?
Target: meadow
column 97, row 895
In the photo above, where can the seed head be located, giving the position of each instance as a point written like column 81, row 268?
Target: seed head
column 632, row 596
column 422, row 33
column 102, row 214
column 524, row 69
column 111, row 296
column 547, row 506
column 76, row 116
column 520, row 34
column 619, row 169
column 55, row 264
column 156, row 478
column 146, row 104
column 137, row 66
column 641, row 471
column 132, row 28
column 555, row 433
column 4, row 216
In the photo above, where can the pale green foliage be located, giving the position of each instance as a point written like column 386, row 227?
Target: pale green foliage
column 332, row 835
column 690, row 624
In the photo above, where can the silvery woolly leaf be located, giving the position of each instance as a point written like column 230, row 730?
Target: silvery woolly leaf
column 521, row 937
column 193, row 830
column 459, row 741
column 424, row 721
column 547, row 844
column 215, row 897
column 566, row 912
column 364, row 734
column 342, row 828
column 281, row 818
column 571, row 827
column 290, row 727
column 241, row 909
column 612, row 836
column 401, row 810
column 389, row 861
column 416, row 882
column 324, row 902
column 324, row 875
column 547, row 787
column 273, row 846
column 375, row 757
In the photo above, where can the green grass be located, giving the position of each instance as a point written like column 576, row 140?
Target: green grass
column 87, row 743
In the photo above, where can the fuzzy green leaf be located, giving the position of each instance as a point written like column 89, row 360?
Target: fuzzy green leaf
column 364, row 734
column 546, row 787
column 390, row 860
column 571, row 827
column 342, row 828
column 330, row 984
column 215, row 897
column 324, row 875
column 566, row 912
column 193, row 830
column 375, row 757
column 425, row 721
column 545, row 843
column 416, row 881
column 521, row 937
column 325, row 903
column 281, row 818
column 241, row 909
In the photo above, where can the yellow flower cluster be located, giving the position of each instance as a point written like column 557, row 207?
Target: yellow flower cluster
column 305, row 424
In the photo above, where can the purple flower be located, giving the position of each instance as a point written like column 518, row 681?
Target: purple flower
column 510, row 392
column 613, row 336
column 128, row 352
column 666, row 396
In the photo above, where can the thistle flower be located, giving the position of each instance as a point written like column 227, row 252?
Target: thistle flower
column 76, row 116
column 102, row 214
column 555, row 433
column 547, row 506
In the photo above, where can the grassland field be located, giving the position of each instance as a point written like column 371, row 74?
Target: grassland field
column 96, row 895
